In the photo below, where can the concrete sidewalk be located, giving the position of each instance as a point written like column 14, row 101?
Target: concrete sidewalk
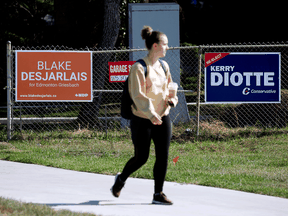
column 87, row 192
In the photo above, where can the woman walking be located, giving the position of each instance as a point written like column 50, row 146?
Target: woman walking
column 150, row 108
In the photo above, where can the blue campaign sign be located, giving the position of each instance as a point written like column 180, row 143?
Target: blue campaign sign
column 243, row 77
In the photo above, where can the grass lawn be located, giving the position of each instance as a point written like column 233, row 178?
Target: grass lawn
column 12, row 207
column 248, row 161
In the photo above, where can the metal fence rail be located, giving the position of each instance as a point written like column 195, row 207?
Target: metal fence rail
column 103, row 114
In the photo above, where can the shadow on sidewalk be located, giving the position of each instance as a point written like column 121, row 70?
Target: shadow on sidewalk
column 93, row 203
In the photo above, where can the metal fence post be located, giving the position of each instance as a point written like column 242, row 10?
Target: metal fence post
column 9, row 89
column 199, row 89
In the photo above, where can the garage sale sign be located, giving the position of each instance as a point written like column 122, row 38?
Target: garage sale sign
column 119, row 71
column 243, row 77
column 53, row 76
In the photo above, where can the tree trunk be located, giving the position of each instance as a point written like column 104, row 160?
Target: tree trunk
column 111, row 23
column 90, row 111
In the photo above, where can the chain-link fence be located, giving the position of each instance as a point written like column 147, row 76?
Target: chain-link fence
column 191, row 115
column 264, row 115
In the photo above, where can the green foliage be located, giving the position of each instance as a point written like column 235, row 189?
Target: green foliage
column 191, row 83
column 23, row 20
column 187, row 44
column 21, row 23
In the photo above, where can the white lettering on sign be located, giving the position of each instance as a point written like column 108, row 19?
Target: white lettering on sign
column 222, row 68
column 56, row 76
column 214, row 59
column 65, row 65
column 118, row 68
column 268, row 79
column 237, row 79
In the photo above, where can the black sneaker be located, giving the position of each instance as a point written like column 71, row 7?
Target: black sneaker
column 160, row 198
column 118, row 185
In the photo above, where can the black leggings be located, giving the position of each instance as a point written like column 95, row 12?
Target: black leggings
column 142, row 132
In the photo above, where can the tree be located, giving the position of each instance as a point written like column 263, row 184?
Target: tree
column 21, row 23
column 78, row 23
column 111, row 25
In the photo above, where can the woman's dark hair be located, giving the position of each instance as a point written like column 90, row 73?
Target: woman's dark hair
column 150, row 36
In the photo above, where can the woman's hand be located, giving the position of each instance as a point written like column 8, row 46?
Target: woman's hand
column 170, row 102
column 156, row 120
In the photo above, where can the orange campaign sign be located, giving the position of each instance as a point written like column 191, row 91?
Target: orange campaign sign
column 53, row 76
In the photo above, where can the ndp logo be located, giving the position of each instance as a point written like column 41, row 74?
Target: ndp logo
column 246, row 91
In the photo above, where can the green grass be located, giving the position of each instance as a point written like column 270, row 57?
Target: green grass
column 13, row 207
column 257, row 163
column 245, row 159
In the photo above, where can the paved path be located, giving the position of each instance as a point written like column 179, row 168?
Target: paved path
column 87, row 192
